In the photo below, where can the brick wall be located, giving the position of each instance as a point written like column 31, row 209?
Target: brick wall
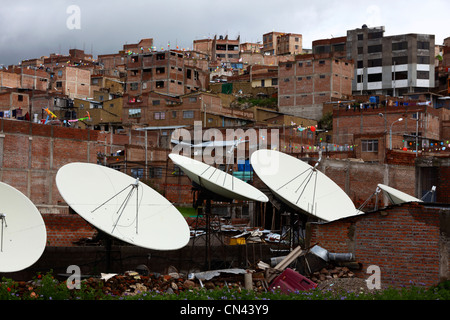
column 404, row 241
column 65, row 229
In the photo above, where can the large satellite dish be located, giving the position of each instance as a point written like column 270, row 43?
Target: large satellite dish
column 301, row 186
column 122, row 207
column 23, row 235
column 397, row 196
column 217, row 181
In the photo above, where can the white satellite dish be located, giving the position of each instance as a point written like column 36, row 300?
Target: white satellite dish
column 397, row 196
column 122, row 207
column 23, row 235
column 217, row 181
column 301, row 186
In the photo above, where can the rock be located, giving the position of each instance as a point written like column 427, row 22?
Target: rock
column 188, row 284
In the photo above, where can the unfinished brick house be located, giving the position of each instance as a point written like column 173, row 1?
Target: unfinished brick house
column 165, row 72
column 409, row 243
column 307, row 81
column 159, row 110
column 415, row 125
column 71, row 81
column 222, row 51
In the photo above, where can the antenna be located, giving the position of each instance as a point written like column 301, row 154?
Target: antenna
column 214, row 184
column 23, row 235
column 302, row 187
column 97, row 194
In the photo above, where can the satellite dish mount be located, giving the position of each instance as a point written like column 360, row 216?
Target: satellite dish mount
column 134, row 188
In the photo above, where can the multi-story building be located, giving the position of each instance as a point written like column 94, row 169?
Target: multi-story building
column 22, row 77
column 14, row 104
column 289, row 44
column 162, row 110
column 71, row 81
column 164, row 72
column 279, row 43
column 411, row 124
column 336, row 46
column 391, row 65
column 223, row 52
column 309, row 80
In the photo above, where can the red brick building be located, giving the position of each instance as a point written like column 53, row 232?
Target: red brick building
column 307, row 81
column 409, row 243
column 368, row 126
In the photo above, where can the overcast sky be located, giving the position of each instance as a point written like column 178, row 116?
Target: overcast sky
column 31, row 29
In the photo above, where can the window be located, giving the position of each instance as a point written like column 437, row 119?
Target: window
column 155, row 172
column 189, row 73
column 159, row 84
column 288, row 65
column 188, row 114
column 286, row 80
column 322, row 76
column 160, row 70
column 20, row 97
column 321, row 62
column 399, row 46
column 423, row 45
column 192, row 99
column 374, row 63
column 300, row 64
column 174, row 114
column 134, row 113
column 160, row 56
column 299, row 79
column 403, row 75
column 375, row 35
column 137, row 172
column 159, row 115
column 375, row 77
column 59, row 73
column 360, row 50
column 360, row 37
column 134, row 86
column 423, row 75
column 369, row 145
column 423, row 59
column 156, row 102
column 59, row 84
column 360, row 64
column 400, row 60
column 375, row 48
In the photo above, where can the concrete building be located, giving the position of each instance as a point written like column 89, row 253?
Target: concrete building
column 390, row 65
column 307, row 81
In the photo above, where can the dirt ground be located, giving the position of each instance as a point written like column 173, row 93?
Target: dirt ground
column 351, row 285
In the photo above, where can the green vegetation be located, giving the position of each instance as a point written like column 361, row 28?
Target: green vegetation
column 260, row 102
column 45, row 287
column 187, row 211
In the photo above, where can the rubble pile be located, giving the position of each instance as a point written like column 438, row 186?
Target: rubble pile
column 331, row 273
column 131, row 283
